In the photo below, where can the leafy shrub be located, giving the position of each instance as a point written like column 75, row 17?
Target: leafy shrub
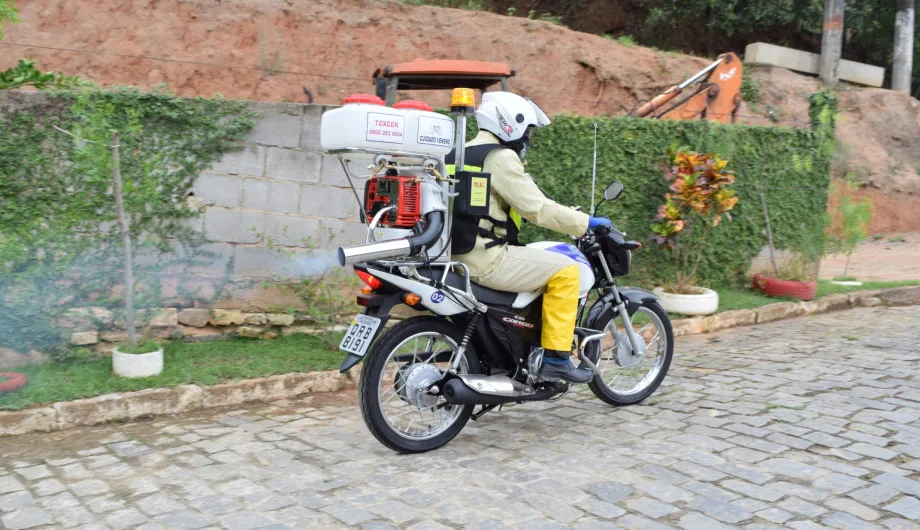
column 627, row 40
column 26, row 74
column 324, row 301
column 549, row 17
column 848, row 223
column 698, row 198
column 750, row 89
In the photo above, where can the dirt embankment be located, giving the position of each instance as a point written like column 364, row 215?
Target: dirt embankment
column 879, row 141
column 332, row 46
column 565, row 70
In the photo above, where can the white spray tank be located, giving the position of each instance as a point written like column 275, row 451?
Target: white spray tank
column 407, row 189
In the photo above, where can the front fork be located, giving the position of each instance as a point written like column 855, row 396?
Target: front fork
column 638, row 347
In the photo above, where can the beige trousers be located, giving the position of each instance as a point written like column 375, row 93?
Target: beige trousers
column 523, row 269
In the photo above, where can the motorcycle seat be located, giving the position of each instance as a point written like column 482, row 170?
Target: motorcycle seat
column 483, row 294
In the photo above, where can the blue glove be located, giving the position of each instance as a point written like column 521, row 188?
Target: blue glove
column 594, row 222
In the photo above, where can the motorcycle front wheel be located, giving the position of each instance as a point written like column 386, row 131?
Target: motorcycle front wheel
column 398, row 370
column 625, row 377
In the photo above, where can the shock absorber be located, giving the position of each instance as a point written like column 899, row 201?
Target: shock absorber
column 470, row 327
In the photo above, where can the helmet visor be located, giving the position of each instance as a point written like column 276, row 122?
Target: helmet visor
column 528, row 134
column 542, row 119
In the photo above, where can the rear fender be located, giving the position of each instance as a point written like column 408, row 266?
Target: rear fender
column 604, row 308
column 432, row 298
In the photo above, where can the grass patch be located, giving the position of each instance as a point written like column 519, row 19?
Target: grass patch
column 850, row 337
column 627, row 40
column 739, row 298
column 825, row 287
column 845, row 278
column 205, row 363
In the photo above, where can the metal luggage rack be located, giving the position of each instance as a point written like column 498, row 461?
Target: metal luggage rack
column 410, row 269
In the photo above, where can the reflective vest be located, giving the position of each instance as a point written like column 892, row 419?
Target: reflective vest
column 465, row 228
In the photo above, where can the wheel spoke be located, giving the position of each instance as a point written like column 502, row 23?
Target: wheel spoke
column 405, row 418
column 640, row 330
column 633, row 378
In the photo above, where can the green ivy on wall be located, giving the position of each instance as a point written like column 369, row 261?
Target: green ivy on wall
column 59, row 245
column 791, row 165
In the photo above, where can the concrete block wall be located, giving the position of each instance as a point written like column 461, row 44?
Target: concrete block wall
column 278, row 205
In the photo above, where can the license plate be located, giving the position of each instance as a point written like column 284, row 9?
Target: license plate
column 360, row 334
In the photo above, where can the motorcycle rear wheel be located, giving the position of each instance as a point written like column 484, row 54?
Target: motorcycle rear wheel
column 626, row 380
column 399, row 366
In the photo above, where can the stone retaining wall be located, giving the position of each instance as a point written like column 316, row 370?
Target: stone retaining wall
column 98, row 326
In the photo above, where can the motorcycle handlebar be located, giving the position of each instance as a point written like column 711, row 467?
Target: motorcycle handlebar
column 610, row 231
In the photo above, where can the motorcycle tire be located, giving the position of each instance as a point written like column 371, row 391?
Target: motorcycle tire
column 375, row 363
column 619, row 399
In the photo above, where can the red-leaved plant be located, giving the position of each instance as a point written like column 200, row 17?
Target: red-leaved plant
column 698, row 195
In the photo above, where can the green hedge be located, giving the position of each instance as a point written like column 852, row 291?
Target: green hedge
column 793, row 165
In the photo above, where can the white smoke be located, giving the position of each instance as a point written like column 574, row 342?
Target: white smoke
column 317, row 264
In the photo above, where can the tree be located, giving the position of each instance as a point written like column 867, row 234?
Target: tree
column 903, row 59
column 715, row 27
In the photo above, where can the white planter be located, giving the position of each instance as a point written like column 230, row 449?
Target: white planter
column 137, row 364
column 850, row 283
column 689, row 304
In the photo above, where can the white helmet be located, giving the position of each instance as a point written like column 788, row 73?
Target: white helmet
column 509, row 116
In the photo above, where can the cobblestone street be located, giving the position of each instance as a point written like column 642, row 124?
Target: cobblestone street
column 805, row 424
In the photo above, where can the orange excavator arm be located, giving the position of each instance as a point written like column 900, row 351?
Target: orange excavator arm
column 713, row 93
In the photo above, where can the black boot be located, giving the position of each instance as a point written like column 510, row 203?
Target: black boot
column 558, row 365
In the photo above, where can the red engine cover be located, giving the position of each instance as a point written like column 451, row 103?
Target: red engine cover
column 403, row 192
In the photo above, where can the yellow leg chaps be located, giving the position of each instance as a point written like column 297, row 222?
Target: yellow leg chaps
column 560, row 308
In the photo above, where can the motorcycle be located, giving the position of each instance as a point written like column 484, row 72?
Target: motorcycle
column 424, row 376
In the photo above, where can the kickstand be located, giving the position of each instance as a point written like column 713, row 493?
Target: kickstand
column 484, row 410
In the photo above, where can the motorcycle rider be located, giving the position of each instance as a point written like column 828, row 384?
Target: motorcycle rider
column 488, row 244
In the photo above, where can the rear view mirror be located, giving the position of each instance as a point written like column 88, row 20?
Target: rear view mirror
column 614, row 189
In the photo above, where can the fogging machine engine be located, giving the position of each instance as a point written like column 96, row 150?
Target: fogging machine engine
column 394, row 190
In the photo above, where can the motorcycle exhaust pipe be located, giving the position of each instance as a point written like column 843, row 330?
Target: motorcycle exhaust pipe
column 396, row 248
column 460, row 392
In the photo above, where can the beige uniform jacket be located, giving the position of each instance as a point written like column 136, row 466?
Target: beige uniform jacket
column 512, row 188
